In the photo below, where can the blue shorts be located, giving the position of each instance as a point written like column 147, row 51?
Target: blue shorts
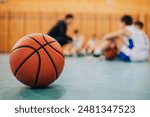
column 123, row 56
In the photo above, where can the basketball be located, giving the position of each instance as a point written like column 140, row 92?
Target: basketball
column 37, row 60
column 110, row 53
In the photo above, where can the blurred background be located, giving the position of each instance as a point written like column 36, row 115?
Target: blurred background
column 21, row 17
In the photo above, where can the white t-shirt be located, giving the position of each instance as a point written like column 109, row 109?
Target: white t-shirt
column 92, row 43
column 78, row 41
column 140, row 50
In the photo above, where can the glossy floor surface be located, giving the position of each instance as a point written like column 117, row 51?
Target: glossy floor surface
column 83, row 79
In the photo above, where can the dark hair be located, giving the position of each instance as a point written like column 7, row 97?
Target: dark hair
column 76, row 31
column 69, row 16
column 139, row 23
column 127, row 19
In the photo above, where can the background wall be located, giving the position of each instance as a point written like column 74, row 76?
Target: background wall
column 20, row 17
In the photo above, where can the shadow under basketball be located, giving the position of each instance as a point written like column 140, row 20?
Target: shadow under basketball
column 53, row 92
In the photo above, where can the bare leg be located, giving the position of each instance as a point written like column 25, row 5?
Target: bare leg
column 104, row 44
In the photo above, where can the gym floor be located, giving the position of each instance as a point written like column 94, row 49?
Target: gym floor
column 83, row 79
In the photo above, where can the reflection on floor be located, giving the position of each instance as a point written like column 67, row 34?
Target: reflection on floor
column 83, row 79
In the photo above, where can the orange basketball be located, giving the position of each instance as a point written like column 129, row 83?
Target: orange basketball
column 110, row 53
column 37, row 60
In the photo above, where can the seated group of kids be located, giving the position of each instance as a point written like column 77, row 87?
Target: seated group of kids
column 128, row 43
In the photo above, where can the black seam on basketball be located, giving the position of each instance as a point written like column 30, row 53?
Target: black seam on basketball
column 53, row 47
column 39, row 67
column 39, row 64
column 23, row 63
column 28, row 56
column 48, row 56
column 26, row 46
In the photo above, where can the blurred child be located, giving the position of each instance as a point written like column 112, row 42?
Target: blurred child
column 130, row 41
column 77, row 44
column 91, row 44
column 139, row 24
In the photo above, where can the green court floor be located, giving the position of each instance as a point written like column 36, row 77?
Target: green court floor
column 83, row 79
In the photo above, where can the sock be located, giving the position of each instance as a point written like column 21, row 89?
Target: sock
column 97, row 52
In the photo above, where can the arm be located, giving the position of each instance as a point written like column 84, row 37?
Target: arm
column 63, row 32
column 114, row 35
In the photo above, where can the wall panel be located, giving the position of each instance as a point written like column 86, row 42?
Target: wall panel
column 21, row 17
column 3, row 31
column 16, row 27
